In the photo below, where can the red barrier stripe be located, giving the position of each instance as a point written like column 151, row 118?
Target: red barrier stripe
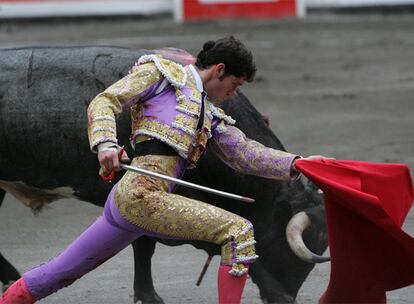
column 194, row 10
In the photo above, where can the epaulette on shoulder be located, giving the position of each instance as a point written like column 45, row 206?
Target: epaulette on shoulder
column 173, row 72
column 219, row 113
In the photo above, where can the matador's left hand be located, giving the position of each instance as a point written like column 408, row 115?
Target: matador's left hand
column 316, row 157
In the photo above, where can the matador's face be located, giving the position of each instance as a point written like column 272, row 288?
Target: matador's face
column 221, row 88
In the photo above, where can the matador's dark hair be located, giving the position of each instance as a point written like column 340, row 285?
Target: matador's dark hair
column 230, row 51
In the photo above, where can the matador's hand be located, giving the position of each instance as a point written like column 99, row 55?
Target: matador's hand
column 110, row 158
column 316, row 157
column 295, row 172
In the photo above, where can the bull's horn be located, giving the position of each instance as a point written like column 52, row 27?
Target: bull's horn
column 294, row 229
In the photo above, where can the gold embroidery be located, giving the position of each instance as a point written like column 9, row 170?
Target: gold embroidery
column 142, row 138
column 110, row 102
column 114, row 98
column 144, row 202
column 188, row 107
column 199, row 146
column 208, row 118
column 238, row 270
column 173, row 72
column 137, row 114
column 200, row 142
column 195, row 96
column 181, row 142
column 219, row 110
column 186, row 122
column 219, row 113
column 164, row 133
column 233, row 253
column 249, row 156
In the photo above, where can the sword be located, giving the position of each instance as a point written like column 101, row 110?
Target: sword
column 187, row 184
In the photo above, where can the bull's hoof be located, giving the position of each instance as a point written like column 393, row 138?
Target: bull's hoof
column 148, row 298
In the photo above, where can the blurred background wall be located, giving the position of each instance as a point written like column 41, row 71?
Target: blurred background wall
column 182, row 9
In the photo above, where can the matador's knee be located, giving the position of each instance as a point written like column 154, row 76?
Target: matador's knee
column 239, row 250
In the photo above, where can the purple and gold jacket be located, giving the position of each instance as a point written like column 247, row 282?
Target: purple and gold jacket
column 166, row 101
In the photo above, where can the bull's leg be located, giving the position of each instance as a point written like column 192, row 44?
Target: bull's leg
column 294, row 281
column 271, row 291
column 143, row 286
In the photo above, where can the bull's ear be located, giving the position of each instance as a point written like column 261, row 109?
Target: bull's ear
column 266, row 119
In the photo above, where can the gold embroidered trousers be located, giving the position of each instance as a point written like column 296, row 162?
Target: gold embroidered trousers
column 149, row 204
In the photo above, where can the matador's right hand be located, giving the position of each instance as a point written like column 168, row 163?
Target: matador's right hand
column 109, row 159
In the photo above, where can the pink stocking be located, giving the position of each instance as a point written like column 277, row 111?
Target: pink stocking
column 230, row 287
column 17, row 293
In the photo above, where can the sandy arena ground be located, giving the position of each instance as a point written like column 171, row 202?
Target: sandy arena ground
column 336, row 85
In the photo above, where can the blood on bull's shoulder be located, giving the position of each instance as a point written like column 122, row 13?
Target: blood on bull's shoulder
column 44, row 94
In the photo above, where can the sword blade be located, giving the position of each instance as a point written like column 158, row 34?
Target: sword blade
column 187, row 184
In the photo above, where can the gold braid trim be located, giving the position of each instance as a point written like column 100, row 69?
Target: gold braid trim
column 166, row 134
column 240, row 248
column 110, row 103
column 185, row 123
column 219, row 113
column 185, row 106
column 173, row 72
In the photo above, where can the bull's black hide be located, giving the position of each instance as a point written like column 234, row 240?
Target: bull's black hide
column 44, row 94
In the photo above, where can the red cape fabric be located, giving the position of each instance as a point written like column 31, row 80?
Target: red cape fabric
column 366, row 204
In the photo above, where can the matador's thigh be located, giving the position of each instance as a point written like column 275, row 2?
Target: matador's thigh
column 147, row 203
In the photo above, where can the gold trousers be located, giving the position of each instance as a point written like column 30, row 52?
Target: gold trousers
column 147, row 203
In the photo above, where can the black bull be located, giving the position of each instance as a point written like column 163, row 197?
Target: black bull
column 44, row 94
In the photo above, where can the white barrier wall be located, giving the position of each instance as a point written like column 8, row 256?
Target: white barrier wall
column 355, row 3
column 225, row 8
column 54, row 8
